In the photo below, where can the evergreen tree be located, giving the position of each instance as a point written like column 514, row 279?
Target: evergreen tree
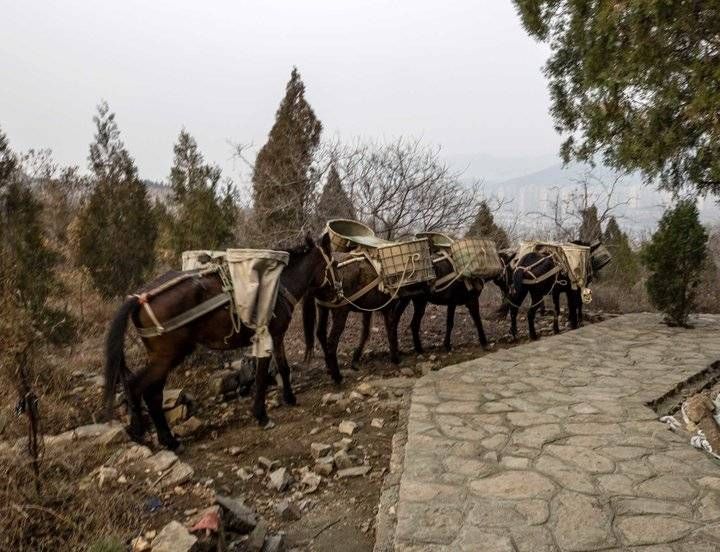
column 334, row 202
column 283, row 182
column 624, row 270
column 203, row 214
column 26, row 263
column 117, row 229
column 675, row 257
column 484, row 227
column 635, row 82
column 590, row 229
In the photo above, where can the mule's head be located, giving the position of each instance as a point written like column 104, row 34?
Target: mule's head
column 309, row 261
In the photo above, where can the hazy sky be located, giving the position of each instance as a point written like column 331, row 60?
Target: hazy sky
column 462, row 74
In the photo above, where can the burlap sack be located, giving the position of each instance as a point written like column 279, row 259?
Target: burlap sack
column 255, row 275
column 190, row 259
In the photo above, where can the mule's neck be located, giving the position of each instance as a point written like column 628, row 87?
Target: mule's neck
column 298, row 275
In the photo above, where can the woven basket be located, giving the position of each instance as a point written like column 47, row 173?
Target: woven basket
column 405, row 263
column 438, row 241
column 600, row 257
column 348, row 234
column 476, row 258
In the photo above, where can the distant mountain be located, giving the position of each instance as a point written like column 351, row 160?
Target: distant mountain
column 158, row 191
column 489, row 168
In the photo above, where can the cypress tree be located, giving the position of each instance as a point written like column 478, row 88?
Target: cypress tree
column 484, row 227
column 283, row 182
column 116, row 228
column 202, row 214
column 334, row 202
column 675, row 258
column 625, row 268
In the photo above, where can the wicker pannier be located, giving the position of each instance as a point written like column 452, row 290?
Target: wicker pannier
column 600, row 257
column 349, row 234
column 438, row 241
column 405, row 263
column 476, row 258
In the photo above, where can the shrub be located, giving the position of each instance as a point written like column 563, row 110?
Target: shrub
column 676, row 257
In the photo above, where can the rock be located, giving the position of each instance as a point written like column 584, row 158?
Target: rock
column 239, row 517
column 354, row 472
column 645, row 529
column 331, row 398
column 177, row 414
column 106, row 473
column 173, row 538
column 161, row 461
column 179, row 474
column 113, row 436
column 355, row 396
column 315, row 431
column 583, row 522
column 513, row 485
column 189, row 426
column 256, row 541
column 347, row 427
column 208, row 520
column 365, row 389
column 287, row 511
column 378, row 423
column 274, row 543
column 267, row 463
column 245, row 475
column 225, row 382
column 319, row 450
column 408, row 372
column 134, row 454
column 343, row 444
column 140, row 544
column 342, row 460
column 234, row 451
column 311, row 481
column 280, row 479
column 324, row 465
column 172, row 398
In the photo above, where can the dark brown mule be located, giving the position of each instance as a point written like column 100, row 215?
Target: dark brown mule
column 306, row 270
column 453, row 293
column 350, row 279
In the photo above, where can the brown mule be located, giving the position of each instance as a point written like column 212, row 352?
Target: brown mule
column 305, row 271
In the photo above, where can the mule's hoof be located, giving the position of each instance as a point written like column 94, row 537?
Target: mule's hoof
column 172, row 444
column 290, row 399
column 269, row 425
column 489, row 347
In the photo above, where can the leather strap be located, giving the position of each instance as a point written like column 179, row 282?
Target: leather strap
column 186, row 317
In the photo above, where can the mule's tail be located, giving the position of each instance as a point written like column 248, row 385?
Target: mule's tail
column 115, row 367
column 517, row 286
column 309, row 319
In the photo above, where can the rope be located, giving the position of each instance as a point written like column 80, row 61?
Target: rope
column 533, row 305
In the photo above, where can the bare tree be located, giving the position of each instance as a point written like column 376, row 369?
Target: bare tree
column 402, row 187
column 582, row 212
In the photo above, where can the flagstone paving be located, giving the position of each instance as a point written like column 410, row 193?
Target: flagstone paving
column 549, row 446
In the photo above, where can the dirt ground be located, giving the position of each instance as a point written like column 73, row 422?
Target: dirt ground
column 340, row 514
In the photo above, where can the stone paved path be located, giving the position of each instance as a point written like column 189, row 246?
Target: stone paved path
column 548, row 446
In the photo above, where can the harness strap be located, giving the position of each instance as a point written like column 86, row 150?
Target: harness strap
column 354, row 297
column 537, row 279
column 184, row 318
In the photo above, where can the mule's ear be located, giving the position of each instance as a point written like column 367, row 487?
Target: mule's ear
column 325, row 241
column 309, row 241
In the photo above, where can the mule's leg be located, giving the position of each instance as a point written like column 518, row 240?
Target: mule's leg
column 391, row 330
column 535, row 303
column 364, row 333
column 261, row 384
column 578, row 299
column 449, row 323
column 572, row 309
column 136, row 430
column 556, row 307
column 513, row 321
column 419, row 306
column 284, row 369
column 338, row 326
column 322, row 324
column 153, row 395
column 473, row 307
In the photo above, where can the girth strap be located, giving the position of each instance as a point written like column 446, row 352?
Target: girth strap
column 354, row 297
column 186, row 317
column 538, row 279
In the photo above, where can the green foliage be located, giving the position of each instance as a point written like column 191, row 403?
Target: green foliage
column 202, row 214
column 675, row 257
column 107, row 544
column 283, row 180
column 334, row 201
column 624, row 270
column 26, row 262
column 484, row 227
column 635, row 81
column 116, row 229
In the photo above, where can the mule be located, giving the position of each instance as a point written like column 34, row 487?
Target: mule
column 337, row 296
column 306, row 270
column 457, row 292
column 538, row 275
